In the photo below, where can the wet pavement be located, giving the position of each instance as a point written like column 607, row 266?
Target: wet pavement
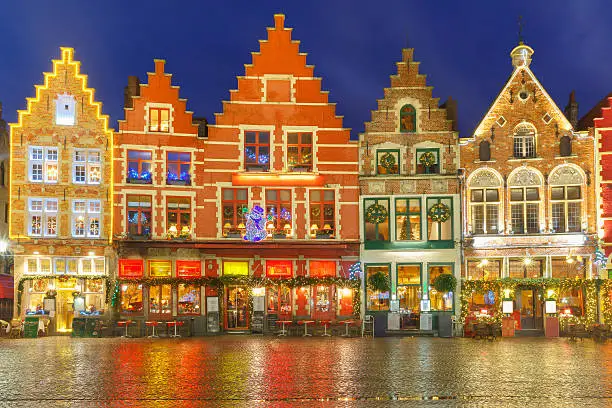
column 265, row 371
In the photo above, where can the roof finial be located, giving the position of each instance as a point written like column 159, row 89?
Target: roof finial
column 520, row 30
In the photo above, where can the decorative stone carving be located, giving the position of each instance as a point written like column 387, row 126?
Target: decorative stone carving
column 525, row 177
column 485, row 178
column 376, row 187
column 565, row 175
column 408, row 186
column 439, row 186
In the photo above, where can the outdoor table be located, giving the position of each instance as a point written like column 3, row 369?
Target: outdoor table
column 283, row 331
column 347, row 323
column 325, row 323
column 306, row 323
column 175, row 323
column 152, row 324
column 125, row 323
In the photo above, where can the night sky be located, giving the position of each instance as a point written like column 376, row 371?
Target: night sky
column 463, row 47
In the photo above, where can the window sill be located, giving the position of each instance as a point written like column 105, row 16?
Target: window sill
column 571, row 156
column 178, row 182
column 138, row 181
column 373, row 245
column 485, row 161
column 519, row 159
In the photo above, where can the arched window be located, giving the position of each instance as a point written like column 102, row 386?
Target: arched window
column 484, row 151
column 524, row 141
column 524, row 185
column 484, row 186
column 566, row 199
column 408, row 119
column 565, row 146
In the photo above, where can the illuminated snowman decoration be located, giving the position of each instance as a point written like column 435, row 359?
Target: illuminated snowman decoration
column 255, row 225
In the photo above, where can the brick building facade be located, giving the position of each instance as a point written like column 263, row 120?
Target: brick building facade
column 60, row 191
column 409, row 205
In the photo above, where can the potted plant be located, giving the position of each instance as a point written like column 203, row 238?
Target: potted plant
column 379, row 282
column 445, row 283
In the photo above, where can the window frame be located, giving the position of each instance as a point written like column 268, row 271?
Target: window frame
column 277, row 204
column 157, row 111
column 378, row 165
column 45, row 215
column 299, row 146
column 321, row 220
column 484, row 204
column 237, row 205
column 430, row 281
column 139, row 162
column 181, row 180
column 178, row 211
column 408, row 213
column 65, row 100
column 89, row 215
column 367, row 290
column 87, row 164
column 420, row 169
column 139, row 210
column 198, row 291
column 565, row 202
column 522, row 136
column 45, row 163
column 403, row 114
column 524, row 203
column 438, row 200
column 376, row 226
column 257, row 165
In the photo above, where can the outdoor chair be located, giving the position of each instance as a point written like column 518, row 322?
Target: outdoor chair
column 481, row 330
column 495, row 331
column 457, row 327
column 600, row 332
column 367, row 326
column 16, row 329
column 577, row 331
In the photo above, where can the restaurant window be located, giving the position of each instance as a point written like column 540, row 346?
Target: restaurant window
column 387, row 162
column 140, row 164
column 86, row 218
column 234, row 206
column 279, row 300
column 160, row 300
column 376, row 219
column 131, row 268
column 427, row 161
column 86, row 167
column 569, row 267
column 440, row 219
column 524, row 141
column 139, row 215
column 131, row 298
column 188, row 299
column 479, row 301
column 570, row 302
column 236, row 268
column 525, row 210
column 278, row 206
column 439, row 301
column 42, row 217
column 299, row 151
column 188, row 269
column 377, row 300
column 93, row 292
column 322, row 269
column 526, row 268
column 178, row 166
column 322, row 213
column 257, row 151
column 279, row 269
column 408, row 119
column 566, row 208
column 345, row 301
column 65, row 112
column 39, row 266
column 484, row 269
column 66, row 266
column 37, row 294
column 160, row 269
column 409, row 290
column 159, row 120
column 43, row 164
column 92, row 266
column 179, row 216
column 484, row 204
column 408, row 219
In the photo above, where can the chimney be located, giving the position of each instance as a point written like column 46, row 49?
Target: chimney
column 451, row 111
column 132, row 89
column 202, row 125
column 571, row 110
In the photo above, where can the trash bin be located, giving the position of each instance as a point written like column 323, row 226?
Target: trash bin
column 380, row 326
column 445, row 324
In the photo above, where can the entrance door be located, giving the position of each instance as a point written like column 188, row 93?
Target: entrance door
column 64, row 311
column 530, row 308
column 236, row 308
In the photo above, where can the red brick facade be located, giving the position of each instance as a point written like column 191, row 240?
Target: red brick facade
column 603, row 134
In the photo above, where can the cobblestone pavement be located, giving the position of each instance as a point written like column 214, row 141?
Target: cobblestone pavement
column 264, row 371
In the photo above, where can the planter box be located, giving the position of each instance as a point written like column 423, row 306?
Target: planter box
column 256, row 168
column 279, row 235
column 300, row 169
column 233, row 235
column 139, row 237
column 178, row 182
column 138, row 181
column 324, row 236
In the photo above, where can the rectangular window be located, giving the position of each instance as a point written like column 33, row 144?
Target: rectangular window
column 65, row 112
column 188, row 269
column 428, row 161
column 408, row 219
column 571, row 302
column 43, row 164
column 160, row 300
column 86, row 218
column 524, row 146
column 484, row 269
column 236, row 268
column 566, row 209
column 139, row 166
column 257, row 151
column 322, row 213
column 569, row 267
column 179, row 217
column 387, row 162
column 525, row 210
column 376, row 219
column 279, row 269
column 234, row 206
column 87, row 167
column 299, row 151
column 377, row 300
column 131, row 298
column 179, row 168
column 279, row 301
column 188, row 299
column 40, row 266
column 278, row 205
column 409, row 294
column 485, row 208
column 322, row 268
column 440, row 219
column 159, row 120
column 43, row 217
column 526, row 268
column 439, row 301
column 139, row 215
column 160, row 269
column 131, row 268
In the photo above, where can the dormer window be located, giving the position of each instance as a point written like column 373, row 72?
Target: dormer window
column 408, row 119
column 159, row 120
column 65, row 110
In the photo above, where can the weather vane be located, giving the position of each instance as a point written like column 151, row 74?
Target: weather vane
column 520, row 29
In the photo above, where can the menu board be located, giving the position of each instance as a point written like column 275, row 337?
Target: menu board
column 257, row 322
column 212, row 322
column 30, row 327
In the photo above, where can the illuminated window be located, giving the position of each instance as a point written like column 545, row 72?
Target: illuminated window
column 279, row 300
column 484, row 269
column 377, row 300
column 43, row 217
column 160, row 299
column 408, row 119
column 43, row 164
column 131, row 268
column 38, row 266
column 524, row 141
column 139, row 166
column 428, row 161
column 65, row 113
column 322, row 213
column 236, row 268
column 376, row 219
column 139, row 215
column 526, row 268
column 299, row 151
column 87, row 167
column 86, row 218
column 178, row 166
column 279, row 269
column 131, row 298
column 179, row 216
column 569, row 267
column 409, row 293
column 566, row 208
column 234, row 207
column 159, row 120
column 188, row 269
column 439, row 208
column 278, row 205
column 188, row 299
column 257, row 151
column 408, row 219
column 439, row 301
column 485, row 210
column 160, row 269
column 387, row 162
column 92, row 266
column 525, row 210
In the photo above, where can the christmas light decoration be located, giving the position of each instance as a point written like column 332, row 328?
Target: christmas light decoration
column 355, row 270
column 255, row 225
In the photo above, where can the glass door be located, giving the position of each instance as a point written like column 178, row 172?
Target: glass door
column 64, row 311
column 236, row 308
column 530, row 308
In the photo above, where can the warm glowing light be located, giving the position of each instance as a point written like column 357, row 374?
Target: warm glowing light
column 173, row 230
column 259, row 291
column 506, row 293
column 227, row 225
column 345, row 292
column 484, row 311
column 92, row 253
column 283, row 179
column 124, row 288
column 551, row 293
column 36, row 252
column 241, row 226
column 569, row 260
column 527, row 261
column 3, row 246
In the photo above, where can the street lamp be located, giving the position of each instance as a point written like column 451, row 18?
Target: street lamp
column 3, row 246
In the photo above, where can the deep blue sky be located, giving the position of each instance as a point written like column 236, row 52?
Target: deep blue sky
column 463, row 47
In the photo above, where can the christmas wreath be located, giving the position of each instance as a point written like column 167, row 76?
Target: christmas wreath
column 376, row 214
column 315, row 211
column 439, row 212
column 228, row 211
column 387, row 161
column 427, row 159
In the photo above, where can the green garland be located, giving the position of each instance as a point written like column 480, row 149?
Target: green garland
column 427, row 159
column 439, row 212
column 376, row 214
